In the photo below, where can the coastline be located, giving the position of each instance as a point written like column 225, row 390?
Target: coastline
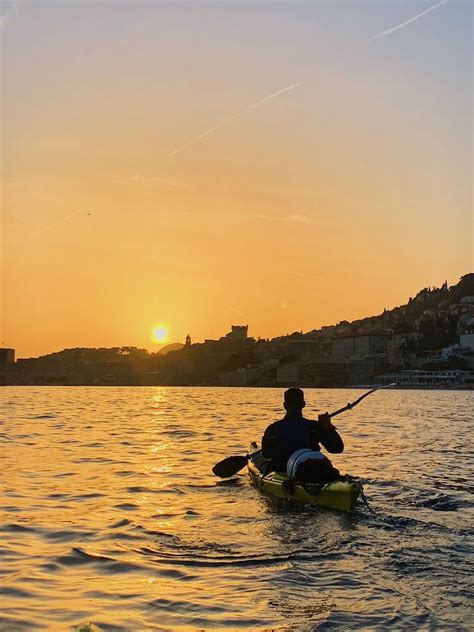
column 457, row 387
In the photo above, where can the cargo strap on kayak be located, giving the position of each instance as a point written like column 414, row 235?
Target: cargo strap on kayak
column 289, row 488
column 365, row 501
column 363, row 497
column 315, row 501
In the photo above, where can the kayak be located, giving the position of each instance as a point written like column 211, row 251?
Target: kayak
column 341, row 495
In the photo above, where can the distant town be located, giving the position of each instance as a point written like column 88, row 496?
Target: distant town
column 427, row 343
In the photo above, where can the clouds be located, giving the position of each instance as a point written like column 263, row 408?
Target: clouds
column 407, row 22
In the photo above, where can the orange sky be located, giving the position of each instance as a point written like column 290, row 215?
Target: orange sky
column 339, row 197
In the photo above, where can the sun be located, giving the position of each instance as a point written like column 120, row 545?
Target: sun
column 160, row 334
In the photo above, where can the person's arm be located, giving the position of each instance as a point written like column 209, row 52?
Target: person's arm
column 267, row 443
column 328, row 435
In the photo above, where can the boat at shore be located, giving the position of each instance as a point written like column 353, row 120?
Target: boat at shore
column 341, row 495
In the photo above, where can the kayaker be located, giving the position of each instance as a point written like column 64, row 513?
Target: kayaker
column 293, row 443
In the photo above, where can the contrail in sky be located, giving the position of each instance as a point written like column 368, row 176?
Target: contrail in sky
column 258, row 104
column 403, row 24
column 9, row 11
column 58, row 221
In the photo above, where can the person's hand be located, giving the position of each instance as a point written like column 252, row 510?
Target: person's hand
column 324, row 421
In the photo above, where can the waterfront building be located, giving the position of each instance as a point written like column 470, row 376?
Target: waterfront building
column 7, row 357
column 323, row 372
column 358, row 345
column 288, row 373
column 430, row 379
column 233, row 378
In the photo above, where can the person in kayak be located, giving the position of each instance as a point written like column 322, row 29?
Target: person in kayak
column 292, row 444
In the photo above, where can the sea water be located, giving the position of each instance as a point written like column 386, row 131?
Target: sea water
column 110, row 514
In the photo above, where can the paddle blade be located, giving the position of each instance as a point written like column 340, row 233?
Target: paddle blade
column 229, row 466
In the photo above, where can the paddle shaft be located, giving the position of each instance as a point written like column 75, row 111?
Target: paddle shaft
column 350, row 405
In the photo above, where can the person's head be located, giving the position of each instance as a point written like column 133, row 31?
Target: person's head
column 294, row 401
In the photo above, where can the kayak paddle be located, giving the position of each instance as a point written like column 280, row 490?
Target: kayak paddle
column 231, row 465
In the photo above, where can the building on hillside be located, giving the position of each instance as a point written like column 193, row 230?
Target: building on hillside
column 238, row 333
column 233, row 378
column 405, row 338
column 467, row 339
column 325, row 372
column 400, row 347
column 358, row 345
column 363, row 370
column 463, row 307
column 7, row 357
column 429, row 356
column 299, row 347
column 254, row 373
column 326, row 332
column 244, row 376
column 236, row 339
column 288, row 373
column 460, row 351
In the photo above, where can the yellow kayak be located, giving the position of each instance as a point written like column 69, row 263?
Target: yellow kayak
column 341, row 495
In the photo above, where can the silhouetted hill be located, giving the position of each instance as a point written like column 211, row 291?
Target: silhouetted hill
column 405, row 318
column 88, row 355
column 420, row 331
column 174, row 346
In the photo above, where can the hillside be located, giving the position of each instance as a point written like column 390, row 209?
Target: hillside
column 425, row 332
column 405, row 318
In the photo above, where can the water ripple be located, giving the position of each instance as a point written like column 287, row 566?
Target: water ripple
column 112, row 515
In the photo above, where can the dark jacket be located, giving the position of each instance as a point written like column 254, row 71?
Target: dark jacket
column 292, row 433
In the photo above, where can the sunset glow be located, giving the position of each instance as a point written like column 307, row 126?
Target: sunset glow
column 286, row 165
